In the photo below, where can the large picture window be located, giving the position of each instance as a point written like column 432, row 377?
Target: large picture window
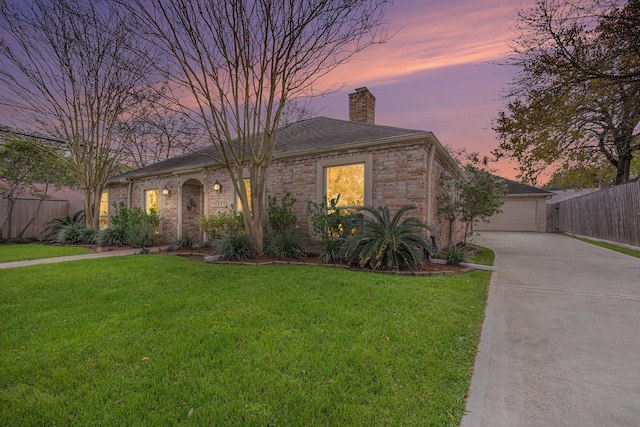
column 351, row 177
column 348, row 182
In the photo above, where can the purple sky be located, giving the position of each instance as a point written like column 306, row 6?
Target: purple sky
column 438, row 73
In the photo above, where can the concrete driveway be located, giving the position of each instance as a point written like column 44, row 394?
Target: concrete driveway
column 560, row 343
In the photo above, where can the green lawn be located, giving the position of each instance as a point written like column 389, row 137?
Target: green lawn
column 159, row 340
column 9, row 253
column 621, row 249
column 484, row 257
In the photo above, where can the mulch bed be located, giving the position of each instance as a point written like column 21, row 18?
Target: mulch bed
column 425, row 269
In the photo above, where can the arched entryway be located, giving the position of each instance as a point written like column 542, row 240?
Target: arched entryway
column 191, row 209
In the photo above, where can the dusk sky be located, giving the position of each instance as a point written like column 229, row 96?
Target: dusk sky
column 439, row 73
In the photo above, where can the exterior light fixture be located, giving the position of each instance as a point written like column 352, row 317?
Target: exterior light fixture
column 166, row 191
column 217, row 187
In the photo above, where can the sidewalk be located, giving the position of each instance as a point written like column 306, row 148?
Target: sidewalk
column 105, row 254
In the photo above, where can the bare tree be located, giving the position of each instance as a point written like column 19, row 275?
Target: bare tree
column 244, row 61
column 74, row 70
column 157, row 134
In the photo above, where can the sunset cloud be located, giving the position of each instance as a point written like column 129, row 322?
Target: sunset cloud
column 434, row 36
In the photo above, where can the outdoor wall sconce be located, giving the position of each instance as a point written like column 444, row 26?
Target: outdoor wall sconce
column 217, row 187
column 166, row 191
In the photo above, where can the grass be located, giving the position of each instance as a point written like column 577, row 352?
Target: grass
column 484, row 257
column 158, row 340
column 621, row 249
column 9, row 253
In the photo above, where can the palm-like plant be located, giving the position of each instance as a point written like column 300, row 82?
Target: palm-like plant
column 383, row 242
column 54, row 227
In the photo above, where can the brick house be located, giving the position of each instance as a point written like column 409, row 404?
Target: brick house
column 367, row 164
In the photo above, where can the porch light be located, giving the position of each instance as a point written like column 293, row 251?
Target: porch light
column 217, row 187
column 166, row 191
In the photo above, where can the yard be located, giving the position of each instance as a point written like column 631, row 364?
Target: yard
column 10, row 253
column 159, row 340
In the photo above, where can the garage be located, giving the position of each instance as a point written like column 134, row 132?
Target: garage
column 524, row 209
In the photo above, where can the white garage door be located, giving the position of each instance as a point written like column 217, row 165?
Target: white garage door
column 516, row 215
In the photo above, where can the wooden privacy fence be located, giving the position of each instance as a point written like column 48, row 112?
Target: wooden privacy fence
column 611, row 214
column 25, row 209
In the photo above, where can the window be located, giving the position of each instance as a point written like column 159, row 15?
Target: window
column 346, row 181
column 104, row 210
column 351, row 177
column 151, row 200
column 247, row 187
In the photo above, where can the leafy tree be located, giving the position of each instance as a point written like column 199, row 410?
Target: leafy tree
column 582, row 176
column 29, row 168
column 577, row 97
column 74, row 70
column 473, row 198
column 245, row 62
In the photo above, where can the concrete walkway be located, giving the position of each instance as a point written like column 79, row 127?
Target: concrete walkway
column 560, row 343
column 105, row 254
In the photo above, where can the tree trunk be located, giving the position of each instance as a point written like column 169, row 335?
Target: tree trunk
column 91, row 208
column 7, row 221
column 623, row 170
column 21, row 232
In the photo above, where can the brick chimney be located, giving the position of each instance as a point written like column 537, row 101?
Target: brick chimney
column 362, row 106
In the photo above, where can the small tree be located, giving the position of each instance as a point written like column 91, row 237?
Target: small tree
column 471, row 199
column 29, row 168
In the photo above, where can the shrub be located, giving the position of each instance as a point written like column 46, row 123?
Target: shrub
column 90, row 236
column 131, row 226
column 331, row 249
column 281, row 217
column 221, row 223
column 113, row 236
column 289, row 244
column 73, row 233
column 327, row 218
column 455, row 255
column 234, row 246
column 329, row 223
column 55, row 226
column 385, row 243
column 128, row 217
column 142, row 234
column 184, row 243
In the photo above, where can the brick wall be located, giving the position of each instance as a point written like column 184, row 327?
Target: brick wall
column 399, row 177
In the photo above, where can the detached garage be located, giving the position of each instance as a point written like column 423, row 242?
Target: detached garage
column 524, row 209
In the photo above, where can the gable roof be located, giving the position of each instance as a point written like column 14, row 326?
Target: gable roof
column 320, row 133
column 517, row 188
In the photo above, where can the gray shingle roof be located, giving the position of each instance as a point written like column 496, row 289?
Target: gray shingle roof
column 514, row 187
column 306, row 135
